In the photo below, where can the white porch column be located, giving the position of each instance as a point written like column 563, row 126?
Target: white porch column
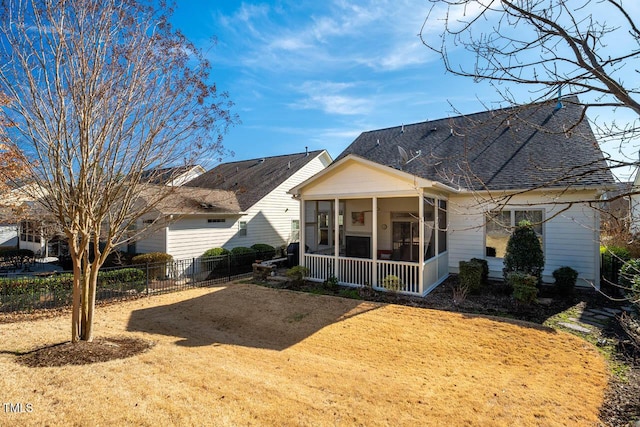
column 336, row 236
column 374, row 236
column 302, row 231
column 422, row 242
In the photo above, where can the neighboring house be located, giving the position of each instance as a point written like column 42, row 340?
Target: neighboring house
column 24, row 223
column 404, row 205
column 259, row 210
column 173, row 176
column 616, row 216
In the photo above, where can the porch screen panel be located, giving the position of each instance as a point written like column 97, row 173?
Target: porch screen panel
column 442, row 226
column 429, row 226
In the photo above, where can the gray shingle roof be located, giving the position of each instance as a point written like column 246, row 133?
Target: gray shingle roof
column 191, row 201
column 526, row 147
column 253, row 179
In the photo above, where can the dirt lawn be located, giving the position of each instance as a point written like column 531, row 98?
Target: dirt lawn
column 249, row 355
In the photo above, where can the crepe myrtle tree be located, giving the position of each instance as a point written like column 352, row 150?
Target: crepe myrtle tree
column 102, row 90
column 589, row 48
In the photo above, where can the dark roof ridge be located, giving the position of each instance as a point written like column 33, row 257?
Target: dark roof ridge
column 572, row 98
column 255, row 159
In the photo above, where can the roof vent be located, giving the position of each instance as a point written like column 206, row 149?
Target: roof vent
column 377, row 142
column 402, row 130
column 289, row 165
column 306, row 151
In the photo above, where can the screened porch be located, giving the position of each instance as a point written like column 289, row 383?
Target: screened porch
column 390, row 243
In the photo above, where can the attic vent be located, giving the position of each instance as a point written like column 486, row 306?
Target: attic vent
column 206, row 205
column 210, row 220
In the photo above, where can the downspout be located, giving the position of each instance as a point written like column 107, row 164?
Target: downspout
column 336, row 236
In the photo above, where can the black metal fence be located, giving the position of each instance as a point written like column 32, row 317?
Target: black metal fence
column 46, row 290
column 610, row 269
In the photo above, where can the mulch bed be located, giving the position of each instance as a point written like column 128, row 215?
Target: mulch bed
column 83, row 352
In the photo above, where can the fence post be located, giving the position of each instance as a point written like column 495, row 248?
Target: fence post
column 229, row 266
column 193, row 272
column 147, row 278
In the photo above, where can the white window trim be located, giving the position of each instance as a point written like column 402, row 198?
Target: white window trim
column 512, row 211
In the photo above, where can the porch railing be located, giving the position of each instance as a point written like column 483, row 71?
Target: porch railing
column 320, row 267
column 355, row 271
column 391, row 275
column 399, row 276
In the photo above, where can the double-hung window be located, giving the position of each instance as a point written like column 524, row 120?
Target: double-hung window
column 500, row 225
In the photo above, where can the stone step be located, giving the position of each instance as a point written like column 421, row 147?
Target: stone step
column 575, row 327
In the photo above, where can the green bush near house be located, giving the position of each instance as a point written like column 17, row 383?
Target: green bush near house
column 297, row 274
column 485, row 268
column 157, row 262
column 565, row 280
column 470, row 275
column 524, row 252
column 264, row 251
column 215, row 252
column 242, row 258
column 392, row 283
column 524, row 285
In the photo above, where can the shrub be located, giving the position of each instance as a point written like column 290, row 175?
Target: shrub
column 470, row 276
column 619, row 252
column 156, row 261
column 215, row 252
column 123, row 279
column 392, row 283
column 264, row 251
column 297, row 274
column 524, row 286
column 242, row 257
column 485, row 268
column 630, row 279
column 565, row 278
column 524, row 253
column 331, row 283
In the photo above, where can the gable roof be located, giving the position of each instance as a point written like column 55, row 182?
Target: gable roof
column 532, row 146
column 253, row 179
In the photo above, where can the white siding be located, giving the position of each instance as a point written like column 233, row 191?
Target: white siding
column 9, row 235
column 571, row 236
column 190, row 237
column 359, row 180
column 154, row 242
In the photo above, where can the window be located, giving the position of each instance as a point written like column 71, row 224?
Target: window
column 295, row 230
column 215, row 220
column 500, row 225
column 29, row 232
column 242, row 228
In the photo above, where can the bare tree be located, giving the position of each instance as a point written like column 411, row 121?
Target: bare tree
column 101, row 91
column 589, row 48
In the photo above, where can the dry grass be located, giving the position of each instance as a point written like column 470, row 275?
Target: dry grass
column 248, row 355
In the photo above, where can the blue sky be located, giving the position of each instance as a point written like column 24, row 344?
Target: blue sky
column 317, row 74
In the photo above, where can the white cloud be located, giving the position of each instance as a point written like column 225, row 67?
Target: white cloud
column 330, row 98
column 336, row 36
